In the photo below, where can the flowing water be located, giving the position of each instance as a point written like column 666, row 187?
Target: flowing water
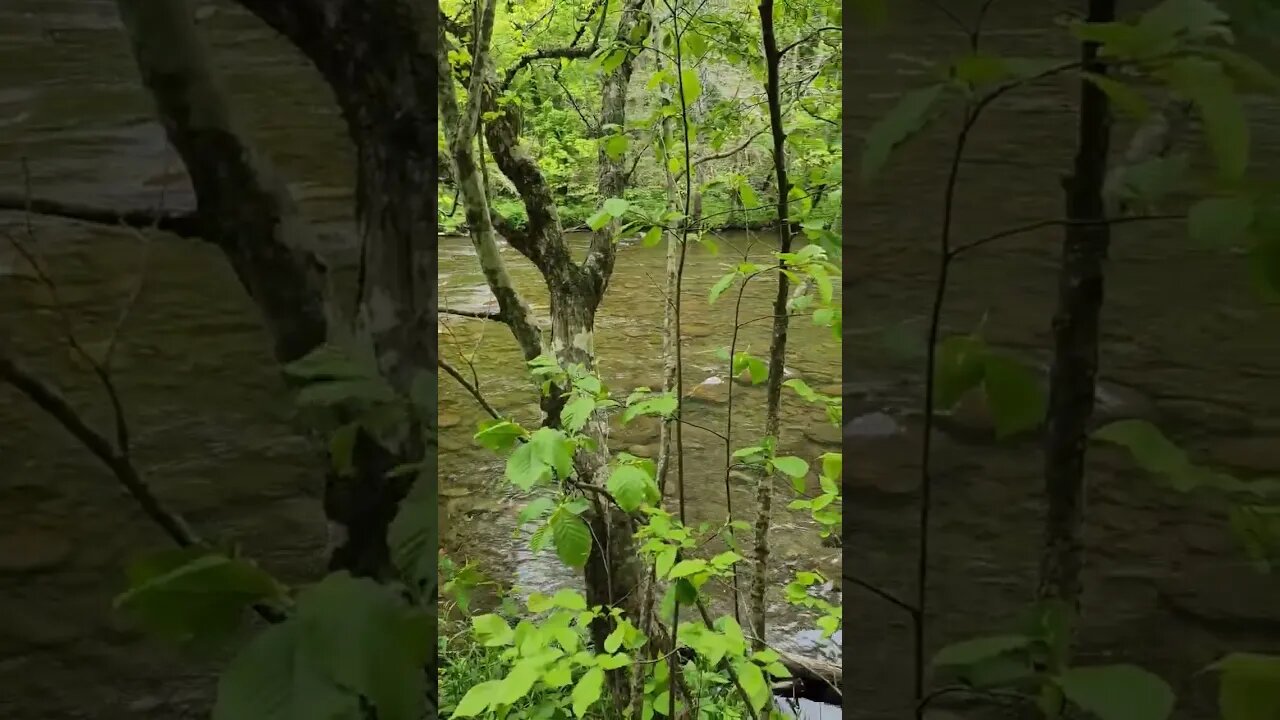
column 211, row 423
column 1186, row 343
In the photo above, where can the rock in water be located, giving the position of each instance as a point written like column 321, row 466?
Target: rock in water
column 31, row 550
column 872, row 425
column 713, row 390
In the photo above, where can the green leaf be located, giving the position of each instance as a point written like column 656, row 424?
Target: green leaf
column 518, row 682
column 587, row 691
column 1125, row 98
column 1194, row 19
column 1206, row 85
column 629, row 486
column 499, row 435
column 832, row 465
column 1220, row 222
column 970, row 652
column 725, row 559
column 613, row 60
column 477, row 699
column 721, row 285
column 365, row 638
column 912, row 113
column 1153, row 452
column 492, row 630
column 828, row 624
column 685, row 568
column 791, row 466
column 599, row 219
column 665, row 560
column 363, row 391
column 1117, row 692
column 1249, row 688
column 615, row 147
column 342, row 445
column 613, row 662
column 330, row 362
column 524, row 470
column 616, row 207
column 414, row 533
column 553, row 449
column 753, row 683
column 1248, row 73
column 1013, row 394
column 958, row 367
column 652, row 236
column 823, row 282
column 202, row 599
column 690, row 86
column 572, row 539
column 270, row 679
column 577, row 411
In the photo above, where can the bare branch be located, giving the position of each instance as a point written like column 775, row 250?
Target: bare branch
column 472, row 389
column 570, row 52
column 1041, row 224
column 481, row 314
column 807, row 38
column 49, row 400
column 182, row 224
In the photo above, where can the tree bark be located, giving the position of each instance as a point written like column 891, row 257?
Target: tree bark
column 460, row 128
column 778, row 343
column 243, row 207
column 378, row 63
column 1074, row 370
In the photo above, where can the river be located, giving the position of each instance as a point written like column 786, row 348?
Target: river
column 1186, row 342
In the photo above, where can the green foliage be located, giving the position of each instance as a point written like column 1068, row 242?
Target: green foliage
column 1249, row 686
column 195, row 596
column 349, row 641
column 1117, row 692
column 1013, row 391
column 914, row 111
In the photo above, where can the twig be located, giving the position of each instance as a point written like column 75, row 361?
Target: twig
column 1041, row 224
column 48, row 399
column 881, row 593
column 807, row 38
column 472, row 389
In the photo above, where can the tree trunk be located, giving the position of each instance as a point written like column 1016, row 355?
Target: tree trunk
column 1075, row 335
column 778, row 344
column 613, row 570
column 460, row 130
column 243, row 206
column 380, row 76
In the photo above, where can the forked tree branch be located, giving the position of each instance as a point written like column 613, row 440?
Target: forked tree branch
column 50, row 401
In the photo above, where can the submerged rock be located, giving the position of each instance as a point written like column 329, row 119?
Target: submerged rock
column 872, row 425
column 1225, row 597
column 971, row 420
column 714, row 390
column 1251, row 454
column 824, row 434
column 33, row 550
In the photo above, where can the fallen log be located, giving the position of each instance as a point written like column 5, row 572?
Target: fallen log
column 814, row 680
